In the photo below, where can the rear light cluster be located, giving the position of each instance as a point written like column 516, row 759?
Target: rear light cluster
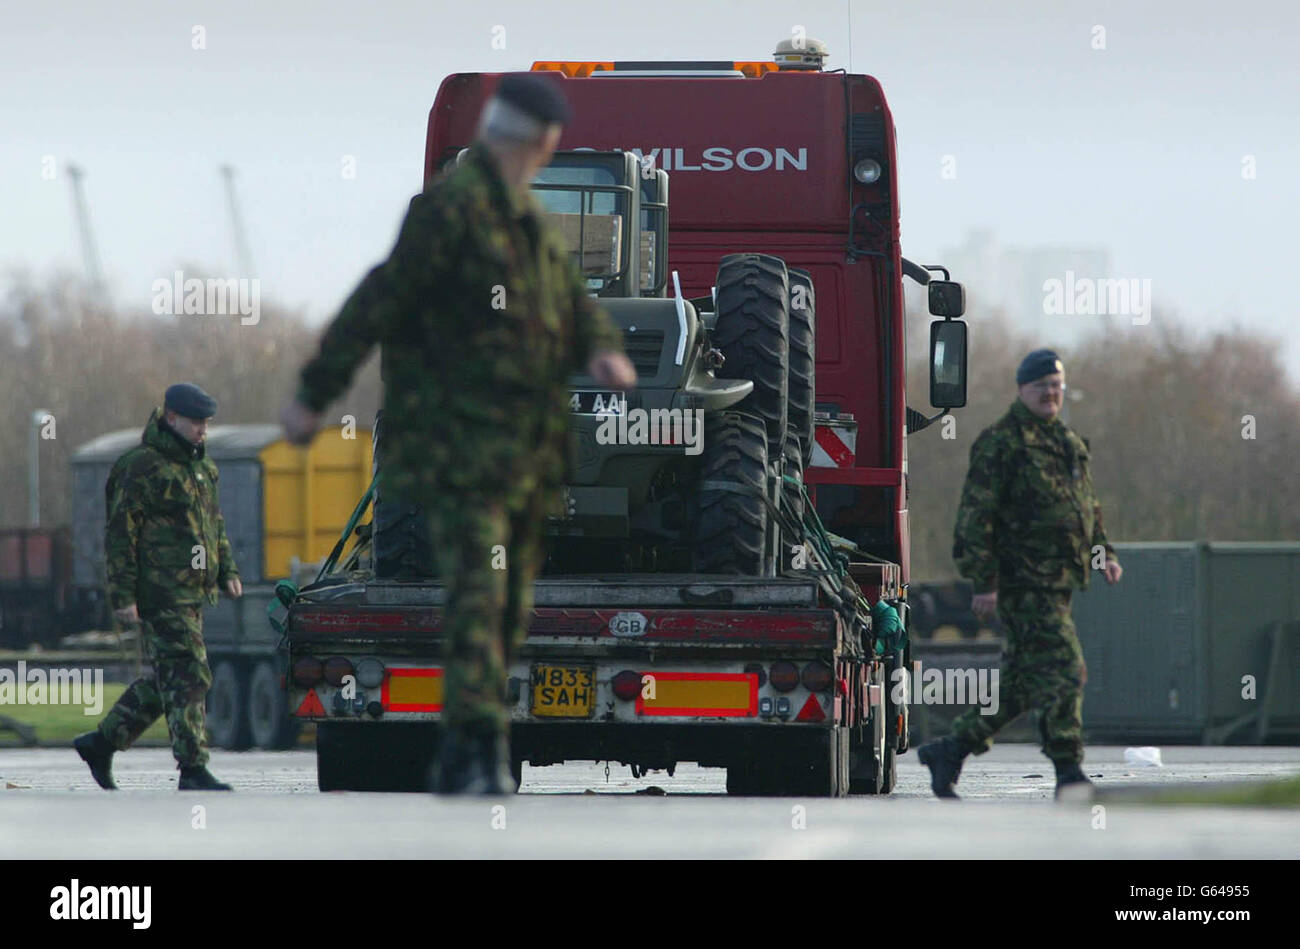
column 785, row 676
column 308, row 671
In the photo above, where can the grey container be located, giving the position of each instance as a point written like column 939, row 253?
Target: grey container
column 235, row 449
column 1175, row 649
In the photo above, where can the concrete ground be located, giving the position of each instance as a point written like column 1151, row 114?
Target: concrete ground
column 50, row 808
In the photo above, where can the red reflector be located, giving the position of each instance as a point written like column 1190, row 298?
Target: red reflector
column 310, row 706
column 811, row 711
column 627, row 685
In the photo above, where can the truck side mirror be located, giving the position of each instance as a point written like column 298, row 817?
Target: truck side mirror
column 947, row 298
column 948, row 363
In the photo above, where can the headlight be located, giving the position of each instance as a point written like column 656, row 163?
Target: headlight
column 867, row 171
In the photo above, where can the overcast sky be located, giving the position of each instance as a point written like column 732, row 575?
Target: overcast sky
column 1137, row 147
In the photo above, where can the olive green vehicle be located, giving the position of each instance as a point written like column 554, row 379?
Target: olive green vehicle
column 671, row 476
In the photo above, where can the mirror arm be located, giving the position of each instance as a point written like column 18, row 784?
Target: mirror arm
column 916, row 421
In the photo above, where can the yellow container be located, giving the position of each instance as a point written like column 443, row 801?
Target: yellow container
column 309, row 494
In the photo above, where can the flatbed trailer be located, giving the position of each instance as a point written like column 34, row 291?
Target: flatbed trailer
column 753, row 675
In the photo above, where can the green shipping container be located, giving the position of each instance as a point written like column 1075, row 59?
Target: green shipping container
column 1199, row 643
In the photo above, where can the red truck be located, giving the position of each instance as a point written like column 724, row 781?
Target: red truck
column 711, row 639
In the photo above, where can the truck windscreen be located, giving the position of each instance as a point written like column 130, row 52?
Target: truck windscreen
column 589, row 221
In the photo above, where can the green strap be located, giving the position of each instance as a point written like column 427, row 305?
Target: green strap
column 332, row 559
column 286, row 591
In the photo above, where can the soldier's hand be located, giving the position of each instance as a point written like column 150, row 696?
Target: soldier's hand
column 985, row 605
column 234, row 587
column 612, row 369
column 127, row 615
column 1113, row 572
column 300, row 423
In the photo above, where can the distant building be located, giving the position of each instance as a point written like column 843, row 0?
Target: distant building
column 1012, row 279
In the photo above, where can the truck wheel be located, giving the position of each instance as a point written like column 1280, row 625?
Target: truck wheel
column 269, row 722
column 803, row 360
column 890, row 774
column 821, row 770
column 226, row 715
column 731, row 526
column 370, row 756
column 752, row 332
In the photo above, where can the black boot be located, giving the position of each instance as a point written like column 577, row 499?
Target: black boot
column 472, row 764
column 97, row 751
column 1071, row 782
column 199, row 778
column 943, row 758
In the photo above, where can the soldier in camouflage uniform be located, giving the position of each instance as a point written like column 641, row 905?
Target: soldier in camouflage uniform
column 1028, row 533
column 482, row 316
column 166, row 553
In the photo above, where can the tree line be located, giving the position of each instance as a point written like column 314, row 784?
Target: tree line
column 1194, row 435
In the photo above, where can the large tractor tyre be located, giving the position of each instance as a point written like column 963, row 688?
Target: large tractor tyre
column 226, row 715
column 792, row 500
column 399, row 539
column 364, row 756
column 803, row 360
column 752, row 332
column 731, row 526
column 271, row 725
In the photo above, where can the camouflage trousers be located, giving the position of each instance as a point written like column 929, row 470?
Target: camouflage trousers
column 172, row 641
column 488, row 552
column 1042, row 670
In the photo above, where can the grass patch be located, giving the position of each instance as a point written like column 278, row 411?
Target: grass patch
column 59, row 724
column 1284, row 793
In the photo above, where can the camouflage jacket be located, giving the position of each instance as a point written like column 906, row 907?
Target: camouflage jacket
column 1029, row 516
column 483, row 316
column 162, row 503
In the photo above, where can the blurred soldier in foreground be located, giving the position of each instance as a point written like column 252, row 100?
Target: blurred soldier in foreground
column 1028, row 532
column 483, row 317
column 166, row 552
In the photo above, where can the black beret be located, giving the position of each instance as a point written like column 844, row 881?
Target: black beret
column 1039, row 363
column 187, row 399
column 535, row 96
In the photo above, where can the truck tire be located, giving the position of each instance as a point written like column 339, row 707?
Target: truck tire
column 806, row 763
column 752, row 331
column 227, row 710
column 803, row 360
column 731, row 527
column 821, row 769
column 890, row 774
column 367, row 756
column 270, row 724
column 400, row 538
